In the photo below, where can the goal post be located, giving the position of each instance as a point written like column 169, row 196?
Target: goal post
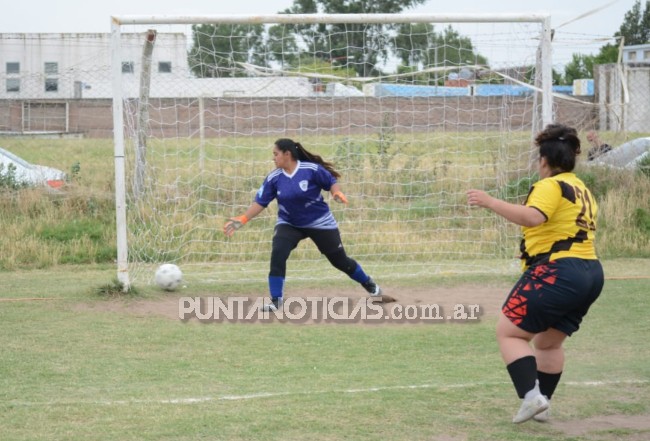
column 413, row 109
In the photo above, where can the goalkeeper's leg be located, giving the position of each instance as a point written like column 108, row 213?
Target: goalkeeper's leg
column 285, row 240
column 329, row 243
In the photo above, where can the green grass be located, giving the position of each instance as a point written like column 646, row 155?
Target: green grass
column 74, row 368
column 407, row 198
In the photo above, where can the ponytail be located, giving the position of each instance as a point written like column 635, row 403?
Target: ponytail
column 299, row 153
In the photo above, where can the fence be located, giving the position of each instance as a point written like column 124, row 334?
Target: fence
column 623, row 97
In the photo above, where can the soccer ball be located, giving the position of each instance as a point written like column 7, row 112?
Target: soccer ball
column 168, row 276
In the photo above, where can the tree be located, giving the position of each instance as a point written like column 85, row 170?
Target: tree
column 531, row 71
column 414, row 44
column 282, row 47
column 217, row 50
column 607, row 54
column 636, row 25
column 419, row 47
column 360, row 46
column 581, row 66
column 635, row 29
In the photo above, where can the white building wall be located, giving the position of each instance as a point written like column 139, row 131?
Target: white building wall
column 639, row 53
column 84, row 69
column 83, row 59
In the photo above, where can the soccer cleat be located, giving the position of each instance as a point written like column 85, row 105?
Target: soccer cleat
column 531, row 407
column 372, row 288
column 276, row 303
column 543, row 416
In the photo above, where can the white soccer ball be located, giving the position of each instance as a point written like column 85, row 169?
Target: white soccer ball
column 168, row 276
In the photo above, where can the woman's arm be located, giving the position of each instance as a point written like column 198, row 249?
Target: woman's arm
column 253, row 210
column 337, row 194
column 518, row 214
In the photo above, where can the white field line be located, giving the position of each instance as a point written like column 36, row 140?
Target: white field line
column 243, row 397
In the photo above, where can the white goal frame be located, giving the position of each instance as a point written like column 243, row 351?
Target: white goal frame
column 543, row 79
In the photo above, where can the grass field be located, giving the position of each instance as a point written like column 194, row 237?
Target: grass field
column 412, row 211
column 77, row 366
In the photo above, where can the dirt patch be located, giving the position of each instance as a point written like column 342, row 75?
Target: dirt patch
column 465, row 303
column 607, row 423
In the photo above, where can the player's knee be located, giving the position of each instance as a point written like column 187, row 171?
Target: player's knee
column 342, row 262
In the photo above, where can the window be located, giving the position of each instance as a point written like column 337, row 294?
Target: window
column 646, row 55
column 13, row 68
column 127, row 67
column 51, row 84
column 631, row 56
column 51, row 68
column 13, row 84
column 165, row 67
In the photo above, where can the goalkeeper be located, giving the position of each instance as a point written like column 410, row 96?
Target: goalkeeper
column 297, row 183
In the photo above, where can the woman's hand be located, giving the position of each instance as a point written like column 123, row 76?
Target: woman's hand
column 340, row 197
column 234, row 224
column 479, row 198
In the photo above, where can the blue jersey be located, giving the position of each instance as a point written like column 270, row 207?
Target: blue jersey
column 300, row 202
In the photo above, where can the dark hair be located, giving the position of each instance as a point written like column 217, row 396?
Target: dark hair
column 299, row 153
column 560, row 145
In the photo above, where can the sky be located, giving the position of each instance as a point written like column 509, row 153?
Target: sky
column 71, row 16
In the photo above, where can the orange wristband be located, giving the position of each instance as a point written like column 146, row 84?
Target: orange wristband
column 341, row 197
column 243, row 219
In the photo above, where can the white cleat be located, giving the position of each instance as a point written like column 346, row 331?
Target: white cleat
column 531, row 407
column 275, row 304
column 544, row 416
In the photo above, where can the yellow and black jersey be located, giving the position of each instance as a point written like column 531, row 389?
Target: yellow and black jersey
column 570, row 211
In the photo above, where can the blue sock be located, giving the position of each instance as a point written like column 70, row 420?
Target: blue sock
column 276, row 286
column 359, row 275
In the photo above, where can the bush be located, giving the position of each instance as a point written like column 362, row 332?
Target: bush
column 8, row 178
column 644, row 165
column 641, row 219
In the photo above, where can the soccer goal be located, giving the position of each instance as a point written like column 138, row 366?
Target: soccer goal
column 413, row 110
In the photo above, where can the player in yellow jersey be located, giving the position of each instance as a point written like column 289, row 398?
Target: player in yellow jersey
column 562, row 275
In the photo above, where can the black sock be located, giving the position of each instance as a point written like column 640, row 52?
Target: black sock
column 523, row 373
column 548, row 383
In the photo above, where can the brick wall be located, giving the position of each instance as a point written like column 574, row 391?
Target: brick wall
column 300, row 116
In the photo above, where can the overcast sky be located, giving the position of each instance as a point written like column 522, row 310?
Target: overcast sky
column 94, row 16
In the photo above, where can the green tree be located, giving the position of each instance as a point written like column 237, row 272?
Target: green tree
column 530, row 72
column 360, row 46
column 218, row 49
column 419, row 47
column 636, row 25
column 415, row 43
column 607, row 54
column 580, row 66
column 635, row 29
column 282, row 47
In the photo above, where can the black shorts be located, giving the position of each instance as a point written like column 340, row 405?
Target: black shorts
column 287, row 236
column 555, row 294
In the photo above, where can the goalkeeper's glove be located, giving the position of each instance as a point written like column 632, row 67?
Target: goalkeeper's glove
column 234, row 224
column 340, row 197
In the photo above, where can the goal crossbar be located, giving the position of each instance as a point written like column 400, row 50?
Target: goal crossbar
column 330, row 18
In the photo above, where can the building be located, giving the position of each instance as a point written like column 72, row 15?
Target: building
column 75, row 66
column 637, row 54
column 63, row 83
column 69, row 66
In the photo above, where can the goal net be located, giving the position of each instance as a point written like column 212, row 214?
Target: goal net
column 413, row 110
